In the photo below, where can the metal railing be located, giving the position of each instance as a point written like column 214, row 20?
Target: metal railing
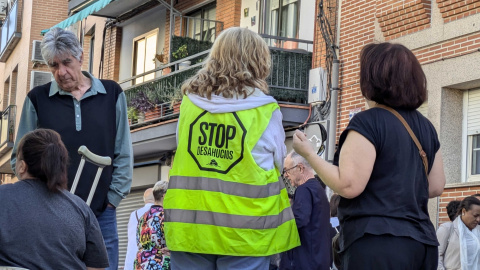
column 289, row 77
column 288, row 82
column 198, row 28
column 7, row 125
column 8, row 31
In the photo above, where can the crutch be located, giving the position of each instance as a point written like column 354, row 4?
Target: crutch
column 100, row 161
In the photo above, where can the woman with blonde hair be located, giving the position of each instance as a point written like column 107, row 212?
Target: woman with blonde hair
column 226, row 207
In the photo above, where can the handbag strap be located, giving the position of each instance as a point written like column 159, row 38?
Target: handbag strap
column 422, row 153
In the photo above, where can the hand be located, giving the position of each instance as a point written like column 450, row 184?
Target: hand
column 301, row 144
column 111, row 205
column 165, row 251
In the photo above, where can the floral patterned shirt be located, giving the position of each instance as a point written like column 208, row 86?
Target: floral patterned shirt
column 150, row 241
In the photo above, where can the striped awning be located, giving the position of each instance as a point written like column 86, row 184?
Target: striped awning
column 80, row 15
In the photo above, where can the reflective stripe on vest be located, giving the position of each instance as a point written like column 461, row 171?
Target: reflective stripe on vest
column 231, row 221
column 219, row 201
column 231, row 188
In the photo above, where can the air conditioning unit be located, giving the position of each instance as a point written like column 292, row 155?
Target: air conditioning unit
column 3, row 8
column 40, row 78
column 317, row 85
column 37, row 51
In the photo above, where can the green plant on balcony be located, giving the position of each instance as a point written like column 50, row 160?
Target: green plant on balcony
column 132, row 114
column 181, row 52
column 192, row 47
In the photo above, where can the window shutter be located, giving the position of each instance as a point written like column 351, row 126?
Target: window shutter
column 40, row 78
column 473, row 112
column 133, row 202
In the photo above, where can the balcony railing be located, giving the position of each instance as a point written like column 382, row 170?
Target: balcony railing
column 291, row 63
column 9, row 36
column 288, row 83
column 7, row 128
column 197, row 28
column 161, row 92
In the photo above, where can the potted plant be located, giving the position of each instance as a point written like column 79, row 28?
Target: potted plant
column 142, row 104
column 10, row 133
column 132, row 115
column 181, row 53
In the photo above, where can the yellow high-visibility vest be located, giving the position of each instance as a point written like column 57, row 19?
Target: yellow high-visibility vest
column 219, row 201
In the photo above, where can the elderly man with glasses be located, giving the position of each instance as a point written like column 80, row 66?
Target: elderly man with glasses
column 312, row 215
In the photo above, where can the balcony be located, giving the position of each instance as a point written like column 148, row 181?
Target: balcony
column 7, row 131
column 158, row 98
column 10, row 33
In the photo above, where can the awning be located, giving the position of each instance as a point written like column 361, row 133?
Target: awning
column 82, row 14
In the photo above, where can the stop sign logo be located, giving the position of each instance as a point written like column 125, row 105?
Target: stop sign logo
column 216, row 141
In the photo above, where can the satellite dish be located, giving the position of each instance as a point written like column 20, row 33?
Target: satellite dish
column 317, row 135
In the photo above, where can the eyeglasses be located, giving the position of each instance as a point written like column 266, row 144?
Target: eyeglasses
column 287, row 170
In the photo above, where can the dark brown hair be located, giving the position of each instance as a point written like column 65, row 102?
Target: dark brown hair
column 334, row 201
column 46, row 157
column 452, row 209
column 391, row 75
column 467, row 204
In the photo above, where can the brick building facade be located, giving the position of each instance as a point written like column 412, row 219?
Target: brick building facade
column 16, row 66
column 445, row 37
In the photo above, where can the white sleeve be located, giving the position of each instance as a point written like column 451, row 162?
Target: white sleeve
column 270, row 150
column 132, row 242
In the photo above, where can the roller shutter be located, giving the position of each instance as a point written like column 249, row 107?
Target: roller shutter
column 473, row 112
column 133, row 202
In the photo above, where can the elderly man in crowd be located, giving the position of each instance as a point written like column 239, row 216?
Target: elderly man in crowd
column 132, row 247
column 312, row 215
column 84, row 111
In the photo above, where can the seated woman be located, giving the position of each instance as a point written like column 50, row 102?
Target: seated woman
column 152, row 250
column 42, row 225
column 460, row 240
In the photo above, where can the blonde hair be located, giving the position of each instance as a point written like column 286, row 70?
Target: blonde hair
column 239, row 58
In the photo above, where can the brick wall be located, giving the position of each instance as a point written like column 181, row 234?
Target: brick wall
column 398, row 18
column 111, row 58
column 319, row 49
column 227, row 11
column 45, row 14
column 394, row 19
column 449, row 49
column 456, row 9
column 357, row 30
column 13, row 87
column 86, row 52
column 454, row 193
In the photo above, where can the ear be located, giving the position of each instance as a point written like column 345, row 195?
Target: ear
column 81, row 58
column 22, row 167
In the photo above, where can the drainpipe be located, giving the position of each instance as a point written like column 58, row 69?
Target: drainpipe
column 171, row 32
column 332, row 138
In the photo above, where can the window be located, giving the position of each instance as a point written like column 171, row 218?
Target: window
column 280, row 18
column 475, row 167
column 473, row 134
column 91, row 57
column 201, row 24
column 145, row 48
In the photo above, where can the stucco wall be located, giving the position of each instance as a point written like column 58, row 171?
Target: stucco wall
column 139, row 25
